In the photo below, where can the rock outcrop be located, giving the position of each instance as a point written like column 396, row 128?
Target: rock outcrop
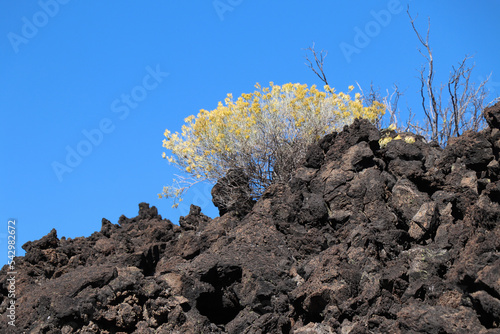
column 363, row 239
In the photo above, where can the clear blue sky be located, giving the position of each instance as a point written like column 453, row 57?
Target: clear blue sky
column 128, row 70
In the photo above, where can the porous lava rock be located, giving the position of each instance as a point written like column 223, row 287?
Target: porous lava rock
column 363, row 239
column 232, row 193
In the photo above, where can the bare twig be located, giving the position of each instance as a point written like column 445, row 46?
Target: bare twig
column 432, row 114
column 391, row 104
column 318, row 63
column 462, row 111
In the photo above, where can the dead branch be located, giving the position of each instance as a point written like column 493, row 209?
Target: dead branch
column 432, row 115
column 318, row 63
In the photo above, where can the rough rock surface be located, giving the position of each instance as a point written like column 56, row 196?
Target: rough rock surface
column 404, row 239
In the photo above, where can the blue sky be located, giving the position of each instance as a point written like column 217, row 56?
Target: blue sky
column 107, row 78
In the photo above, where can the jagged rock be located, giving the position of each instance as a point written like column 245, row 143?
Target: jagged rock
column 407, row 199
column 194, row 219
column 492, row 116
column 363, row 239
column 493, row 168
column 489, row 305
column 145, row 212
column 48, row 241
column 359, row 131
column 425, row 221
column 232, row 193
column 314, row 210
column 314, row 156
column 400, row 149
column 358, row 157
column 472, row 148
column 412, row 170
column 438, row 319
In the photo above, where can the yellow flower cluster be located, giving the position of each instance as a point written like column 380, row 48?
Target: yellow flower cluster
column 253, row 128
column 387, row 139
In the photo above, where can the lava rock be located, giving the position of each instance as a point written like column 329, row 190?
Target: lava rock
column 492, row 116
column 401, row 239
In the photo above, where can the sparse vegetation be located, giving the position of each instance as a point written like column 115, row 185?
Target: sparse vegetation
column 449, row 109
column 263, row 134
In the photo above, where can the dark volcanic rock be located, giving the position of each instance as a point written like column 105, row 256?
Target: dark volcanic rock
column 363, row 239
column 232, row 194
column 492, row 116
column 472, row 148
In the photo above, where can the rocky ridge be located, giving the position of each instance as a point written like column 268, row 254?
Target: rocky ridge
column 399, row 239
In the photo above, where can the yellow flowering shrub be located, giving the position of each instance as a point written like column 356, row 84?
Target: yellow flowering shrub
column 264, row 134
